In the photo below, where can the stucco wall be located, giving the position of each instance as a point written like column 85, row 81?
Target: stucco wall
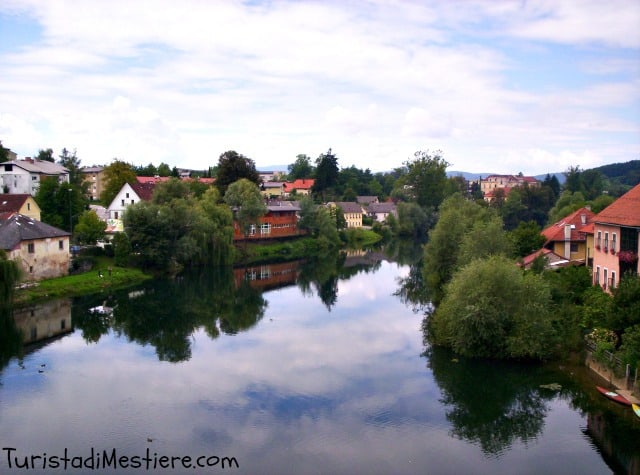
column 46, row 261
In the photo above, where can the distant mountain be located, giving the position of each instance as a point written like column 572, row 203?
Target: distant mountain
column 273, row 168
column 627, row 173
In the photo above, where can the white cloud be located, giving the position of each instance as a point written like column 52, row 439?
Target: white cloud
column 375, row 81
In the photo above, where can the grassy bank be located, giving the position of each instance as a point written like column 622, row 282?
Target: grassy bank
column 81, row 284
column 277, row 251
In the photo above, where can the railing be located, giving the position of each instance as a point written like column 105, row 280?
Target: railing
column 616, row 365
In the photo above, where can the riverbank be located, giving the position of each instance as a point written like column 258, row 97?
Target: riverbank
column 94, row 281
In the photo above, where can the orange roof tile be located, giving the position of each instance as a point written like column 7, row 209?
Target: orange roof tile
column 624, row 211
column 555, row 232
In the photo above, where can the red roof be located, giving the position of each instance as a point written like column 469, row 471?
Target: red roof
column 152, row 179
column 625, row 211
column 578, row 224
column 299, row 184
column 528, row 260
column 11, row 202
column 144, row 190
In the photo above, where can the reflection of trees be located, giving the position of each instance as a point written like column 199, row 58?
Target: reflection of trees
column 404, row 251
column 411, row 290
column 10, row 336
column 490, row 406
column 165, row 313
column 321, row 273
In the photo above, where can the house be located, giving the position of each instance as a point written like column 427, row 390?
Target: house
column 568, row 237
column 268, row 175
column 616, row 236
column 130, row 193
column 506, row 182
column 20, row 203
column 552, row 260
column 280, row 221
column 94, row 178
column 41, row 251
column 352, row 212
column 380, row 211
column 272, row 189
column 366, row 200
column 24, row 176
column 302, row 186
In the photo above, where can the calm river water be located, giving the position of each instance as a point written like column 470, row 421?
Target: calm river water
column 299, row 368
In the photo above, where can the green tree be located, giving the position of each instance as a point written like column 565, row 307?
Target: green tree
column 492, row 309
column 326, row 177
column 233, row 166
column 484, row 239
column 457, row 217
column 116, row 174
column 4, row 153
column 60, row 203
column 426, row 178
column 164, row 169
column 526, row 238
column 244, row 197
column 216, row 232
column 45, row 155
column 71, row 162
column 121, row 249
column 413, row 221
column 90, row 228
column 301, row 168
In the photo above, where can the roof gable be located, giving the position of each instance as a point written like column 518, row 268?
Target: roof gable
column 624, row 211
column 12, row 202
column 579, row 222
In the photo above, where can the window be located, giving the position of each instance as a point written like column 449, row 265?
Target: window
column 28, row 206
column 604, row 277
column 252, row 229
column 122, row 202
column 30, row 269
column 613, row 241
column 597, row 275
column 613, row 279
column 265, row 228
column 31, row 248
column 599, row 240
column 606, row 242
column 127, row 196
column 63, row 324
column 115, row 215
column 574, row 247
column 133, row 202
column 61, row 245
column 34, row 177
column 8, row 168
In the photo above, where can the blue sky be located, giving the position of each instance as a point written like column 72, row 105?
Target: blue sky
column 498, row 86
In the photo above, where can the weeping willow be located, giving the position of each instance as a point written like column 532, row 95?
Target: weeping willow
column 9, row 276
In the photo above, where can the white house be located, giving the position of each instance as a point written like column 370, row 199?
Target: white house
column 129, row 194
column 24, row 176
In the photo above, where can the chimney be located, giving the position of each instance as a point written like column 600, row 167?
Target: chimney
column 28, row 159
column 567, row 232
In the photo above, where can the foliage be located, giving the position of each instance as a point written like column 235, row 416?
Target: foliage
column 414, row 221
column 4, row 153
column 527, row 203
column 569, row 284
column 457, row 217
column 426, row 179
column 244, row 197
column 233, row 166
column 9, row 277
column 116, row 174
column 71, row 162
column 301, row 168
column 492, row 309
column 121, row 249
column 319, row 222
column 484, row 239
column 90, row 228
column 45, row 155
column 567, row 203
column 60, row 203
column 630, row 348
column 526, row 238
column 360, row 237
column 326, row 176
column 625, row 307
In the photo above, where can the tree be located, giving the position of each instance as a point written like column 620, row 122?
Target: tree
column 60, row 203
column 484, row 239
column 233, row 166
column 164, row 169
column 301, row 168
column 526, row 238
column 426, row 178
column 116, row 175
column 326, row 176
column 71, row 162
column 413, row 221
column 245, row 199
column 45, row 155
column 90, row 228
column 121, row 249
column 457, row 218
column 4, row 153
column 492, row 309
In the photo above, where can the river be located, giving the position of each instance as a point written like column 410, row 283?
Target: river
column 298, row 368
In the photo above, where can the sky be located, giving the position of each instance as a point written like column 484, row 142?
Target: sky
column 496, row 86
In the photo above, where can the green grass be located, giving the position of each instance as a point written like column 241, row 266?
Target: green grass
column 82, row 284
column 361, row 237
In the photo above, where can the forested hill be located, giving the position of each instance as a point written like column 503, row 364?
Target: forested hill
column 627, row 173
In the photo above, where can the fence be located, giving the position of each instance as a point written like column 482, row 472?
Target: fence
column 618, row 373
